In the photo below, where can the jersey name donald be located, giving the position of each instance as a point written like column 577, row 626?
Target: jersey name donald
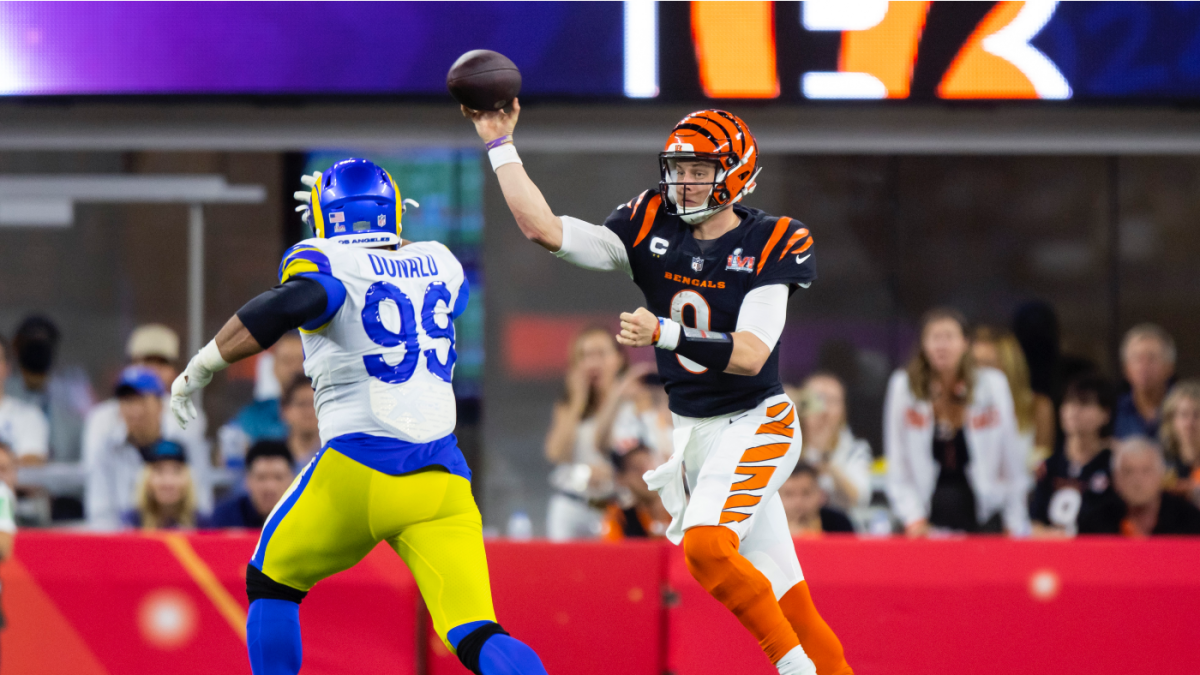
column 382, row 362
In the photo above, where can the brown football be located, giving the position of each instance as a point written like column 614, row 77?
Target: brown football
column 483, row 80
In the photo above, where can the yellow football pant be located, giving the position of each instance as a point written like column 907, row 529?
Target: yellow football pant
column 337, row 510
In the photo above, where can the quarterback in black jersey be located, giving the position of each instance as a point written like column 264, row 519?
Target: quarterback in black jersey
column 716, row 276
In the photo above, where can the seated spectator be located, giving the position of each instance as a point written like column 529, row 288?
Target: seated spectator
column 842, row 462
column 269, row 472
column 582, row 474
column 299, row 412
column 114, row 455
column 1139, row 506
column 8, row 504
column 804, row 504
column 23, row 427
column 154, row 347
column 165, row 499
column 264, row 419
column 1079, row 476
column 645, row 515
column 63, row 395
column 1180, row 435
column 955, row 460
column 635, row 413
column 1148, row 362
column 1035, row 412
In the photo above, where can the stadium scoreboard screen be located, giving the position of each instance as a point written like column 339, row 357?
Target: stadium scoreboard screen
column 868, row 50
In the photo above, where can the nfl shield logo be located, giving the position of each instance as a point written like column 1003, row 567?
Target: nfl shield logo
column 381, row 219
column 697, row 264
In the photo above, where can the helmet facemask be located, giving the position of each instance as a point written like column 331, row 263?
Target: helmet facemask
column 717, row 197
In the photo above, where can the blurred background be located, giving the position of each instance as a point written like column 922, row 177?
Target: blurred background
column 1034, row 165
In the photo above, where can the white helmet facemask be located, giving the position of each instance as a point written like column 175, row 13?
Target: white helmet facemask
column 694, row 215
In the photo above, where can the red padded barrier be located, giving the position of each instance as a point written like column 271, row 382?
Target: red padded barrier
column 130, row 604
column 586, row 609
column 133, row 604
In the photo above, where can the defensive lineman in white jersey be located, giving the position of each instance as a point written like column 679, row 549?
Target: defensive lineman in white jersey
column 376, row 318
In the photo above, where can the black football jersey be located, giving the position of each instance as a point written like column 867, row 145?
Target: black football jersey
column 704, row 289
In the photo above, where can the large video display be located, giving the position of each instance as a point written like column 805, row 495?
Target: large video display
column 1091, row 52
column 273, row 48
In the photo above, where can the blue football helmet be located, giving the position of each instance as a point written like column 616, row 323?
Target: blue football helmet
column 356, row 202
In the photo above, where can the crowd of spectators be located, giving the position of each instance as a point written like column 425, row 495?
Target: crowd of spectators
column 135, row 466
column 975, row 440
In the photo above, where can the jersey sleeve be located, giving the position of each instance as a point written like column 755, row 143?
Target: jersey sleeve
column 306, row 259
column 787, row 256
column 623, row 220
column 592, row 247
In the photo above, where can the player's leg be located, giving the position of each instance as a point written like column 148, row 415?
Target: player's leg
column 740, row 463
column 305, row 539
column 769, row 547
column 442, row 544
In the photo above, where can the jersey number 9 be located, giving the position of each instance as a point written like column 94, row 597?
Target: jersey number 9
column 407, row 335
column 703, row 314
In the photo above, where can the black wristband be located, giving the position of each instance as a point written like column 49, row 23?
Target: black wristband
column 708, row 348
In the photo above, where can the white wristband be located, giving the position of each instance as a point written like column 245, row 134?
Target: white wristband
column 503, row 154
column 209, row 357
column 668, row 334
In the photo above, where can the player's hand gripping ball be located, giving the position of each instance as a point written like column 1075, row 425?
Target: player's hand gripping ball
column 637, row 329
column 490, row 124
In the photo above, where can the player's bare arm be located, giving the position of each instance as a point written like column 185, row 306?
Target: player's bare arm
column 533, row 215
column 643, row 329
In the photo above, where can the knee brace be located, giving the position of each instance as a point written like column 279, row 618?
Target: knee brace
column 261, row 586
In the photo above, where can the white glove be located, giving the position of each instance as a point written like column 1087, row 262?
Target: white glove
column 196, row 376
column 305, row 196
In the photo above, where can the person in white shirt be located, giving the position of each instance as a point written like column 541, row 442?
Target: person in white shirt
column 635, row 413
column 842, row 461
column 114, row 458
column 8, row 504
column 583, row 473
column 23, row 427
column 156, row 348
column 955, row 458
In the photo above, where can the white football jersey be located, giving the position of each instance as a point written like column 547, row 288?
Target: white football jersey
column 382, row 365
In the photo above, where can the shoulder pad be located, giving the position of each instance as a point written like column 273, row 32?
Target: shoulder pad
column 306, row 256
column 787, row 237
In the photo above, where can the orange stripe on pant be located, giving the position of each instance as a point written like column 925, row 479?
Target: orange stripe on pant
column 759, row 477
column 781, row 427
column 776, row 409
column 764, row 452
column 713, row 559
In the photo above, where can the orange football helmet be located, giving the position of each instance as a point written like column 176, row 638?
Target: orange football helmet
column 712, row 136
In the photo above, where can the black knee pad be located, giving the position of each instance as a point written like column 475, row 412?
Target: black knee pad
column 259, row 585
column 469, row 647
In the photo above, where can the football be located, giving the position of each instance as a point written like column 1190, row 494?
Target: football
column 483, row 80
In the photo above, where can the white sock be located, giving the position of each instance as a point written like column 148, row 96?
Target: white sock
column 796, row 662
